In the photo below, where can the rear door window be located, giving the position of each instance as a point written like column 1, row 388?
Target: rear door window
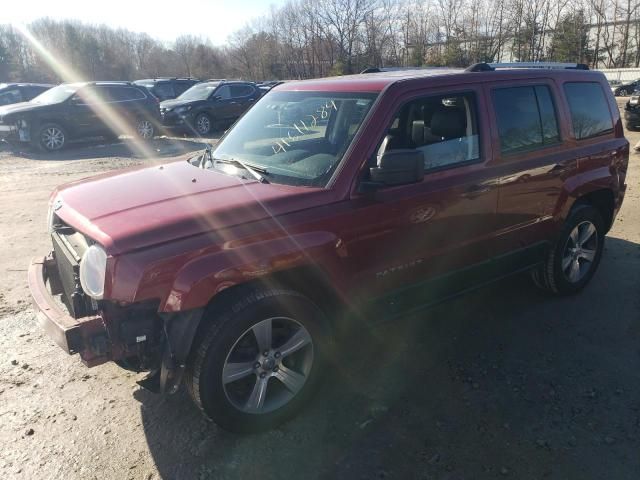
column 123, row 94
column 590, row 113
column 238, row 91
column 526, row 118
column 180, row 87
column 164, row 90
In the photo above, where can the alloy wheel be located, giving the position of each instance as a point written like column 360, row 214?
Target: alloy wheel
column 145, row 129
column 203, row 124
column 580, row 251
column 268, row 365
column 52, row 138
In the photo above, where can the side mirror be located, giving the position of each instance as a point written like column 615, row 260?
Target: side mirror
column 399, row 167
column 217, row 98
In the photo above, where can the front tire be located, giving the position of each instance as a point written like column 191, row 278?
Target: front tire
column 203, row 124
column 575, row 256
column 51, row 137
column 260, row 359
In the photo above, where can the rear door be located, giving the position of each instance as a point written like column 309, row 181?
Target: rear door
column 242, row 96
column 532, row 152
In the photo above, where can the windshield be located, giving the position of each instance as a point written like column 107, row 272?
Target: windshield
column 56, row 94
column 199, row 91
column 298, row 137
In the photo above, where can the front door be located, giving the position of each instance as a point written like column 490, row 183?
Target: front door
column 222, row 105
column 83, row 112
column 414, row 244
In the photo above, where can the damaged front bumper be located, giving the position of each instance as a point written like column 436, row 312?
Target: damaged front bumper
column 86, row 336
column 114, row 333
column 19, row 131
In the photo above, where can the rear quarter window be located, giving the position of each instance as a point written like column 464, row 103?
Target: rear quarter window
column 589, row 109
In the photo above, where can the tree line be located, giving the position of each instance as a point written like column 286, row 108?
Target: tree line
column 315, row 38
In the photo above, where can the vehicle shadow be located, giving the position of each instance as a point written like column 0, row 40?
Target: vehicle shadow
column 503, row 382
column 159, row 147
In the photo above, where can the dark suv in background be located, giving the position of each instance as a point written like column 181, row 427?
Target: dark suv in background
column 81, row 110
column 20, row 92
column 208, row 105
column 626, row 88
column 167, row 88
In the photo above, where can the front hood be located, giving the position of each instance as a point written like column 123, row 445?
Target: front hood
column 145, row 207
column 171, row 104
column 22, row 107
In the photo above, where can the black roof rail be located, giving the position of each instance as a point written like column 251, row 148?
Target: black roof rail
column 112, row 82
column 490, row 67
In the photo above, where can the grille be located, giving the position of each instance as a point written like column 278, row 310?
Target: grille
column 67, row 253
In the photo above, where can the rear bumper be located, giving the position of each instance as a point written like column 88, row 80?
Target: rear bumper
column 86, row 336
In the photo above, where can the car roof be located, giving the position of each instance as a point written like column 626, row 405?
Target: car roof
column 166, row 79
column 115, row 83
column 22, row 84
column 376, row 82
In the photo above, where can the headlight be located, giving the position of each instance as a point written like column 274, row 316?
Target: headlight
column 184, row 109
column 93, row 267
column 54, row 205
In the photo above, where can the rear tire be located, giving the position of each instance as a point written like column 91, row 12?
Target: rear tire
column 574, row 258
column 145, row 129
column 259, row 361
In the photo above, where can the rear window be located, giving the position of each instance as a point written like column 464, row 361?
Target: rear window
column 526, row 118
column 590, row 113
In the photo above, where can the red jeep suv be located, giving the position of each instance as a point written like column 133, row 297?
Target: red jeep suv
column 352, row 198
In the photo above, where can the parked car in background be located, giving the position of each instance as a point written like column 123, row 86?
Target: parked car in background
column 208, row 105
column 265, row 87
column 167, row 88
column 625, row 88
column 632, row 111
column 81, row 110
column 373, row 196
column 20, row 92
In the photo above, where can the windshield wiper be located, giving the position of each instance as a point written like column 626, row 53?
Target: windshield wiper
column 254, row 170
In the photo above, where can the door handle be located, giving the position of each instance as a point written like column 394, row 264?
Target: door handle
column 558, row 168
column 476, row 190
column 562, row 167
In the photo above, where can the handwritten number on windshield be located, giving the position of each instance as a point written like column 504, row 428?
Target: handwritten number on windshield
column 322, row 113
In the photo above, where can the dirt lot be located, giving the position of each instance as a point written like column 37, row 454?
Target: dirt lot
column 505, row 383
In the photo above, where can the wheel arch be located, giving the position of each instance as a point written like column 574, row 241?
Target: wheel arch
column 603, row 200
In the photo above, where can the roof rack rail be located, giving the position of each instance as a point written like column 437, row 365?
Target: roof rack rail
column 490, row 67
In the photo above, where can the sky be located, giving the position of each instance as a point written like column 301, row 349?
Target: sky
column 162, row 19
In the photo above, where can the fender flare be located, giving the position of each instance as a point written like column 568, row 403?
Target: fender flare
column 582, row 184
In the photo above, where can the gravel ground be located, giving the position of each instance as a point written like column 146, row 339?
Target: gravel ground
column 504, row 383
